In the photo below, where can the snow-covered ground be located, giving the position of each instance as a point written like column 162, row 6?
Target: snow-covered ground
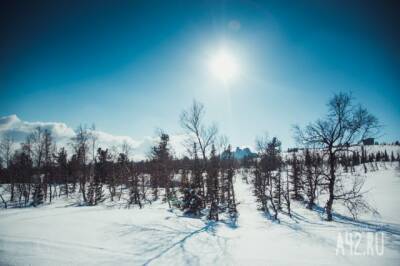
column 61, row 234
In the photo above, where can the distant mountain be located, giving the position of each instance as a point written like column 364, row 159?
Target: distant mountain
column 242, row 153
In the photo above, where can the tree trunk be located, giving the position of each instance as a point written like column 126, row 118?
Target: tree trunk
column 4, row 202
column 12, row 192
column 331, row 186
column 83, row 190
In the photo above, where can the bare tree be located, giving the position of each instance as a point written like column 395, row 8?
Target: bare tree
column 126, row 148
column 286, row 192
column 36, row 138
column 48, row 148
column 221, row 143
column 344, row 125
column 93, row 141
column 6, row 148
column 124, row 168
column 192, row 121
column 80, row 146
column 268, row 186
column 136, row 177
column 313, row 169
column 62, row 169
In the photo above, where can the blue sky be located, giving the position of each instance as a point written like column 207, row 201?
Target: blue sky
column 130, row 67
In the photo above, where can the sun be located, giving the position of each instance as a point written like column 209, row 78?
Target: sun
column 224, row 66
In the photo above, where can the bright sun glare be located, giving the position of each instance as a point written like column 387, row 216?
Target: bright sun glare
column 224, row 66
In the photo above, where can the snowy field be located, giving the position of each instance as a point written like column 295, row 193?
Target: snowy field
column 63, row 234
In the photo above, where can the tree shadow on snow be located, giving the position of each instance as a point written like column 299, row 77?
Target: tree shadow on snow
column 298, row 223
column 209, row 228
column 389, row 228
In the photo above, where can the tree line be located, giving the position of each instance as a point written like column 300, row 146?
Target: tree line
column 199, row 183
column 202, row 182
column 328, row 146
column 304, row 176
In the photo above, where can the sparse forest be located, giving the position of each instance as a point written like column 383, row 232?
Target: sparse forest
column 202, row 182
column 37, row 171
column 210, row 199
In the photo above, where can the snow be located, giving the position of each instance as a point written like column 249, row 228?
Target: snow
column 61, row 234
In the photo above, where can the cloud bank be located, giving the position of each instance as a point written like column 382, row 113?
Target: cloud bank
column 18, row 129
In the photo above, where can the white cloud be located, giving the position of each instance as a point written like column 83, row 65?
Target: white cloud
column 62, row 134
column 18, row 129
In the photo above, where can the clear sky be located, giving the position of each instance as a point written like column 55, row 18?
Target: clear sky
column 132, row 66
